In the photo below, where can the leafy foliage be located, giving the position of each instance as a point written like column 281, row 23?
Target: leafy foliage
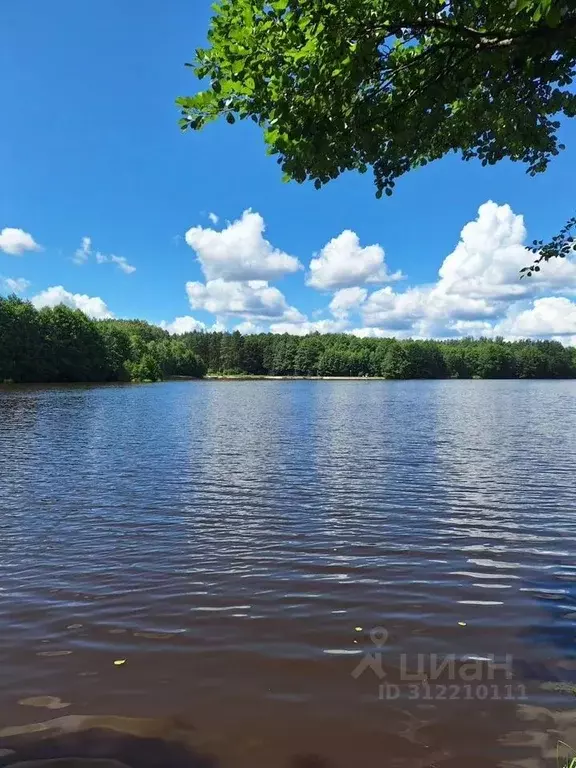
column 345, row 355
column 63, row 345
column 393, row 84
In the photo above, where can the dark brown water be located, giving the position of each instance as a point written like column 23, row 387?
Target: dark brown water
column 242, row 547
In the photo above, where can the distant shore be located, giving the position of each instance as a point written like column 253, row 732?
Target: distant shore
column 256, row 377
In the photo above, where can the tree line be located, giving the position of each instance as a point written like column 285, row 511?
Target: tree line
column 346, row 355
column 63, row 345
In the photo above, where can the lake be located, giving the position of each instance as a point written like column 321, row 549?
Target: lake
column 289, row 573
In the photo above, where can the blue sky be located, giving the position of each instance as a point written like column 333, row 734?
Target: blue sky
column 90, row 147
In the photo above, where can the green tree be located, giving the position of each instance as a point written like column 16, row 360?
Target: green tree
column 76, row 348
column 284, row 356
column 493, row 361
column 396, row 364
column 425, row 360
column 456, row 360
column 392, row 84
column 231, row 352
column 146, row 369
column 252, row 356
column 117, row 345
column 531, row 362
column 307, row 354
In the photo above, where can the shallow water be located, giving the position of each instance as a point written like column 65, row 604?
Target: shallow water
column 242, row 547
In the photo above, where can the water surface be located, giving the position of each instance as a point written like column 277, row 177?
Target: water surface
column 234, row 545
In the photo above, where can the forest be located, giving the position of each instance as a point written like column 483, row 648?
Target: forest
column 63, row 345
column 346, row 355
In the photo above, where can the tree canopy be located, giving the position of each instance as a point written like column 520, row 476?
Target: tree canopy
column 63, row 345
column 391, row 84
column 341, row 354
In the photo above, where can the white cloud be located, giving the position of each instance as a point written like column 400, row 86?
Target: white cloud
column 83, row 253
column 123, row 264
column 254, row 299
column 343, row 263
column 305, row 327
column 372, row 333
column 478, row 291
column 346, row 300
column 184, row 324
column 14, row 284
column 240, row 252
column 93, row 306
column 420, row 304
column 247, row 327
column 478, row 283
column 213, row 218
column 16, row 241
column 120, row 261
column 487, row 260
column 553, row 316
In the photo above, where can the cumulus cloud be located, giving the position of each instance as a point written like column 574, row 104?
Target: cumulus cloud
column 240, row 252
column 343, row 263
column 478, row 282
column 83, row 253
column 478, row 291
column 93, row 306
column 14, row 284
column 254, row 300
column 491, row 251
column 184, row 324
column 213, row 218
column 552, row 317
column 422, row 305
column 16, row 241
column 347, row 299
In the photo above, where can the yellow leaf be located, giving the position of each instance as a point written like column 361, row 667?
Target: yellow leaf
column 119, row 662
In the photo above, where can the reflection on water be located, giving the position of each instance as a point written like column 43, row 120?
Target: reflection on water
column 231, row 545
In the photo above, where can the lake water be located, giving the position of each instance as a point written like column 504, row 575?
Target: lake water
column 271, row 561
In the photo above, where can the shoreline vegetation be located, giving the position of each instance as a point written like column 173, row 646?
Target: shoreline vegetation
column 59, row 344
